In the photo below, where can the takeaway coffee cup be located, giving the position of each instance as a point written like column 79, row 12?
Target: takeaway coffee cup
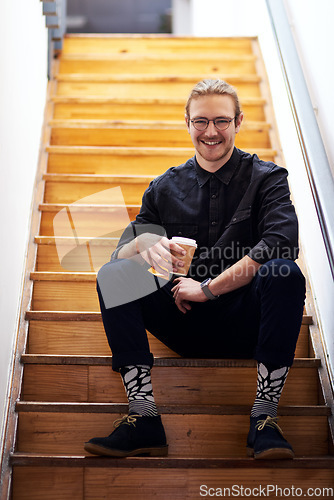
column 190, row 246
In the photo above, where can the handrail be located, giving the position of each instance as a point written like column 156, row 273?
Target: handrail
column 317, row 166
column 55, row 20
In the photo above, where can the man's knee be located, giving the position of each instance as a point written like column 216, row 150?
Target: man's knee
column 122, row 281
column 285, row 273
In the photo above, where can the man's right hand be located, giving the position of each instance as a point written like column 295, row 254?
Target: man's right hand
column 156, row 251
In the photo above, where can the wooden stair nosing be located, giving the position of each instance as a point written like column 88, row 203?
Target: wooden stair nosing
column 55, row 240
column 122, row 408
column 53, row 359
column 81, row 207
column 92, row 316
column 34, row 459
column 136, row 150
column 93, row 178
column 140, row 124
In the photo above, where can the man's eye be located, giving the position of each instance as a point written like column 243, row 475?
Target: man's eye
column 200, row 122
column 221, row 122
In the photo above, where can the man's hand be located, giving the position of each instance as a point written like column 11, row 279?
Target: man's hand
column 187, row 290
column 155, row 250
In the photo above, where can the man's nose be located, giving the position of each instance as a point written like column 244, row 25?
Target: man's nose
column 211, row 130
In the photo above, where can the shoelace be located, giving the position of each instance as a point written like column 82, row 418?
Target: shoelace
column 127, row 420
column 271, row 422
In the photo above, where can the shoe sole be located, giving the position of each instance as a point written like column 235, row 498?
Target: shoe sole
column 272, row 454
column 95, row 449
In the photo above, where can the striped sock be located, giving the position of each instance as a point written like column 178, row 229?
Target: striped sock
column 270, row 383
column 139, row 391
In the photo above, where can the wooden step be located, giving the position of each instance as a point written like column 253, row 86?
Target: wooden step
column 135, row 109
column 117, row 160
column 50, row 431
column 82, row 333
column 162, row 64
column 68, row 188
column 156, row 134
column 194, row 382
column 147, row 86
column 146, row 44
column 75, row 478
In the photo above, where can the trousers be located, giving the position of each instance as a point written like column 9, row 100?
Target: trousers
column 259, row 321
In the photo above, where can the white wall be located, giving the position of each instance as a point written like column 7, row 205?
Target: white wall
column 23, row 83
column 315, row 41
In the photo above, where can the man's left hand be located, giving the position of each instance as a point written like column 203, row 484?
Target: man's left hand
column 187, row 290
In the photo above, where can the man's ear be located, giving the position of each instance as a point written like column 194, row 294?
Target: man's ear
column 238, row 122
column 186, row 117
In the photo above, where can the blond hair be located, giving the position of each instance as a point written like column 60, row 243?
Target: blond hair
column 214, row 87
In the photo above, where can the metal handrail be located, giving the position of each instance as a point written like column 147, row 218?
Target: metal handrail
column 316, row 162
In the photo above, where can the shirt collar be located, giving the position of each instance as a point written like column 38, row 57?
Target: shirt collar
column 224, row 174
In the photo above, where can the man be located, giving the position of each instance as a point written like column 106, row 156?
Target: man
column 243, row 296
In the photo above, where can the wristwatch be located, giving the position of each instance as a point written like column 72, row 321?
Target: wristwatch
column 205, row 287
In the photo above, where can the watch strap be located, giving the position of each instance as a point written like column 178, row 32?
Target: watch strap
column 205, row 287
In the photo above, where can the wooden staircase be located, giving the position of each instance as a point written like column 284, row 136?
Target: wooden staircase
column 114, row 117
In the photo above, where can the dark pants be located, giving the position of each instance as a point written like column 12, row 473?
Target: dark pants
column 259, row 321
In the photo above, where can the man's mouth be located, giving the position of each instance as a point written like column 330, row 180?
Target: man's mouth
column 211, row 143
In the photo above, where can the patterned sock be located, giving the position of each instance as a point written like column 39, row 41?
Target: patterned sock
column 139, row 391
column 270, row 383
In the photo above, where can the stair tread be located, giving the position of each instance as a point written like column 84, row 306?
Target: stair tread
column 153, row 78
column 36, row 459
column 81, row 207
column 93, row 315
column 163, row 361
column 88, row 407
column 92, row 178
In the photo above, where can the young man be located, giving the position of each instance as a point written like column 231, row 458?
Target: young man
column 243, row 296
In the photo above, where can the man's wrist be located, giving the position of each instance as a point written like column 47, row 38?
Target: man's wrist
column 207, row 292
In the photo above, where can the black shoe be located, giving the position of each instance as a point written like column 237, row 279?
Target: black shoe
column 133, row 435
column 265, row 439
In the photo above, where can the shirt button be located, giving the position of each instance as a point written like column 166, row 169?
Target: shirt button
column 213, row 223
column 179, row 233
column 214, row 196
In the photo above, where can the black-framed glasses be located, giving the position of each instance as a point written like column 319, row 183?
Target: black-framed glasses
column 220, row 123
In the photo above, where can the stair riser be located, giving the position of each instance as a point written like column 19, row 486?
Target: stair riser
column 150, row 44
column 164, row 66
column 78, row 483
column 188, row 435
column 136, row 111
column 70, row 192
column 111, row 164
column 100, row 164
column 144, row 89
column 192, row 386
column 91, row 224
column 137, row 137
column 88, row 338
column 74, row 258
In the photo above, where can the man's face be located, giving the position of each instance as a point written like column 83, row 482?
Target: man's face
column 213, row 147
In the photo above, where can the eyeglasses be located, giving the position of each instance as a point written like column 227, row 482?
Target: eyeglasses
column 220, row 123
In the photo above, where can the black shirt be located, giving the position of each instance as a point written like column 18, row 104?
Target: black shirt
column 244, row 208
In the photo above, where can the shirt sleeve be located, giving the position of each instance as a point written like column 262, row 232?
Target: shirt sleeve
column 276, row 223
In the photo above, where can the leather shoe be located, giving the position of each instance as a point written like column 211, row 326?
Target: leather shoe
column 133, row 435
column 265, row 439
